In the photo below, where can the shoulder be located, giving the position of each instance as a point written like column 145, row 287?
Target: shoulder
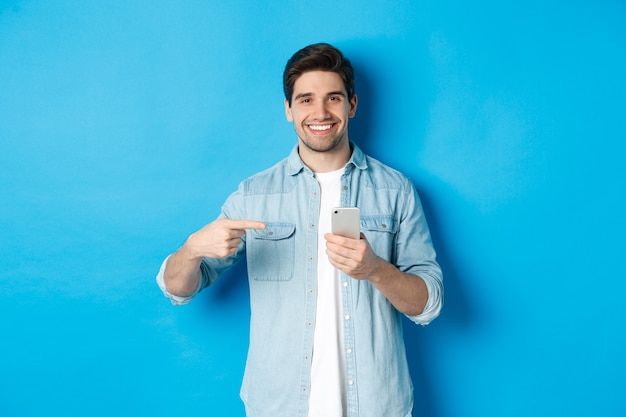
column 381, row 175
column 274, row 179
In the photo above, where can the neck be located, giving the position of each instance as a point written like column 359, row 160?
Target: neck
column 325, row 161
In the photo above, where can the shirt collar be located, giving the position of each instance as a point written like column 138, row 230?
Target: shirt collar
column 295, row 164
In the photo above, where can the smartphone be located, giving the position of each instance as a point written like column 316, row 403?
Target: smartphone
column 346, row 221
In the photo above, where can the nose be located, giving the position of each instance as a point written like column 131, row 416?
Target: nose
column 321, row 110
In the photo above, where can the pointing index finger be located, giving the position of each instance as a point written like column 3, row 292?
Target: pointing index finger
column 246, row 224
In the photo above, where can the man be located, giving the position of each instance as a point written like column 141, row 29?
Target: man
column 326, row 310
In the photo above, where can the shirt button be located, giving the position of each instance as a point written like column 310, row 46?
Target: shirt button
column 347, row 317
column 345, row 283
column 345, row 187
column 349, row 351
column 350, row 382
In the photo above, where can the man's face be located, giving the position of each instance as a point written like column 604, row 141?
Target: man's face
column 320, row 110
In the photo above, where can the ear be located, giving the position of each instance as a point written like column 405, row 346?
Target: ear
column 353, row 104
column 288, row 111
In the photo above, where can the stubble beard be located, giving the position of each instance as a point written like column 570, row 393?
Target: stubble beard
column 322, row 145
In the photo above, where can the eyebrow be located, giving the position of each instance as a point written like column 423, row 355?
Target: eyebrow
column 332, row 93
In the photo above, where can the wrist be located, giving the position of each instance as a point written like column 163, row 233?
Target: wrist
column 379, row 271
column 187, row 253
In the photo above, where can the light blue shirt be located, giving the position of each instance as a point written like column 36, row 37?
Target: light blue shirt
column 282, row 262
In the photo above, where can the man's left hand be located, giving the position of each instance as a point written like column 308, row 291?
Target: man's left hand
column 354, row 257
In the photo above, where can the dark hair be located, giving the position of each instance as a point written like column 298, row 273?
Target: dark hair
column 318, row 57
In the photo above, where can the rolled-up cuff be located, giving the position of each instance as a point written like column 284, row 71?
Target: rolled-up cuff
column 175, row 299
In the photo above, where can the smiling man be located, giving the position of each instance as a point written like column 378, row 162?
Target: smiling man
column 320, row 109
column 326, row 310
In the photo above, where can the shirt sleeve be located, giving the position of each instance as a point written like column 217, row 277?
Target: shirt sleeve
column 416, row 255
column 175, row 299
column 433, row 305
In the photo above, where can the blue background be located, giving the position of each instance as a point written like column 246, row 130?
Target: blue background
column 125, row 124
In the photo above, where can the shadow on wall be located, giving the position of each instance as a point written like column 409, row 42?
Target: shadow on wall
column 457, row 314
column 231, row 291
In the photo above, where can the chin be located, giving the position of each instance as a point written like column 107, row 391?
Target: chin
column 322, row 144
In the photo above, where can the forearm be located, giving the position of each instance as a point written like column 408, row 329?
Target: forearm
column 182, row 273
column 407, row 292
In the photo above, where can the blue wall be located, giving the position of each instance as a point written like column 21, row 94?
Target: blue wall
column 124, row 126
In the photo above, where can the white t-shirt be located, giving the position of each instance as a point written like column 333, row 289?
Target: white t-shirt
column 328, row 396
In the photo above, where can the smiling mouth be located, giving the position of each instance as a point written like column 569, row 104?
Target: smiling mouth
column 321, row 128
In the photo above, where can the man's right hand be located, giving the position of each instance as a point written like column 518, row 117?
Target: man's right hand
column 219, row 239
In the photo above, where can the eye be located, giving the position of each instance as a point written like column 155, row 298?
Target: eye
column 334, row 98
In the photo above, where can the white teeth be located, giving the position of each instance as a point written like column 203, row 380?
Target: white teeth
column 320, row 127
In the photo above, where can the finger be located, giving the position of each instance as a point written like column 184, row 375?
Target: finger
column 337, row 239
column 339, row 261
column 337, row 252
column 234, row 242
column 341, row 240
column 235, row 233
column 244, row 224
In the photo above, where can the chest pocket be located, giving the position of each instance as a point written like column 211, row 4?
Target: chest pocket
column 380, row 231
column 271, row 252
